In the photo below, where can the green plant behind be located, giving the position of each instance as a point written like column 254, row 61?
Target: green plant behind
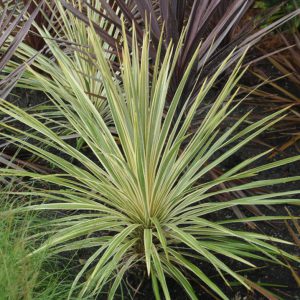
column 281, row 8
column 23, row 276
column 140, row 198
column 17, row 274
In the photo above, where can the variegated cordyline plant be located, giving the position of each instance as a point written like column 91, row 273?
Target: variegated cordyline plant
column 70, row 34
column 216, row 23
column 138, row 198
